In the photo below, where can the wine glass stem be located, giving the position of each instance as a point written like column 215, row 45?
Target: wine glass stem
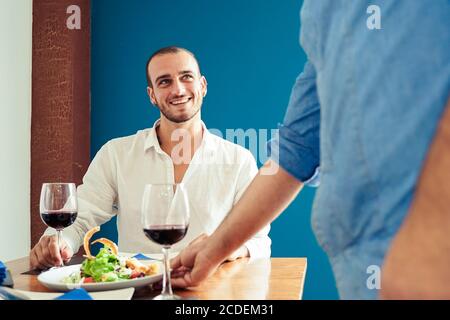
column 59, row 235
column 167, row 287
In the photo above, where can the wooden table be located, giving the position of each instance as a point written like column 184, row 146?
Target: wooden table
column 243, row 279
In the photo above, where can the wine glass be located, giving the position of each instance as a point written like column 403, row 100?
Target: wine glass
column 165, row 220
column 58, row 206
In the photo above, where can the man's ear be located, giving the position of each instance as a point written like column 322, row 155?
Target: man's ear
column 204, row 84
column 151, row 95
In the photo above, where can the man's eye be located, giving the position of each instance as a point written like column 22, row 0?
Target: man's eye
column 187, row 77
column 163, row 82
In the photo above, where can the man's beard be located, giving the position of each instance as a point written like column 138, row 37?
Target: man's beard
column 177, row 119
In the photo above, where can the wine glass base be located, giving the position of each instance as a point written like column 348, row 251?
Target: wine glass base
column 167, row 297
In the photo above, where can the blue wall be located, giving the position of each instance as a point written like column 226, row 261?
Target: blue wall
column 248, row 51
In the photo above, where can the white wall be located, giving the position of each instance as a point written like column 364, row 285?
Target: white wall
column 15, row 127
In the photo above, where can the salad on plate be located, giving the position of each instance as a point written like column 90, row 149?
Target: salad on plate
column 108, row 265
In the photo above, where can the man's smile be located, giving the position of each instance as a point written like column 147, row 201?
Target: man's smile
column 180, row 101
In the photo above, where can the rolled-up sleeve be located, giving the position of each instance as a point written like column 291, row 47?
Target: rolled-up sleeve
column 296, row 147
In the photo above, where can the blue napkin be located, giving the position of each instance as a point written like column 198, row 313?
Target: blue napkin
column 5, row 276
column 140, row 256
column 76, row 294
column 2, row 272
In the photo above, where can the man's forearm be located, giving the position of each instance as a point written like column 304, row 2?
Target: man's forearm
column 418, row 262
column 265, row 198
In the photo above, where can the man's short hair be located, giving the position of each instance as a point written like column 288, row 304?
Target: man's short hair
column 167, row 50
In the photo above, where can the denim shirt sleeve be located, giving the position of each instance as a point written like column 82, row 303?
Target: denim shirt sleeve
column 296, row 147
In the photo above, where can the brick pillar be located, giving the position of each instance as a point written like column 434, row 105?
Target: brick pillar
column 60, row 123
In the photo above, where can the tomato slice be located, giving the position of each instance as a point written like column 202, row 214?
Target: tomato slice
column 88, row 280
column 134, row 274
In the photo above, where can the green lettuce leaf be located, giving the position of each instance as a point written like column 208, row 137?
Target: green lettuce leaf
column 104, row 262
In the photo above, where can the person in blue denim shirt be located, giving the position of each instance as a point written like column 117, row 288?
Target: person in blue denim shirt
column 361, row 119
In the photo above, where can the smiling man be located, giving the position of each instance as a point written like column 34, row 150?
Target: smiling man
column 178, row 148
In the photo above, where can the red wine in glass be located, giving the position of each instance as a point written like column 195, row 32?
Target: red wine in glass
column 165, row 219
column 59, row 219
column 166, row 235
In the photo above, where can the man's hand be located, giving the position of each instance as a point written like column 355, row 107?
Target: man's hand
column 183, row 263
column 193, row 254
column 46, row 253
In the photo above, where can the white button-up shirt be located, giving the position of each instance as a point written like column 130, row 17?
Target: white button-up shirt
column 216, row 178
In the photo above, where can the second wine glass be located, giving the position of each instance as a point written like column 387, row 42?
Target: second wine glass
column 58, row 206
column 165, row 220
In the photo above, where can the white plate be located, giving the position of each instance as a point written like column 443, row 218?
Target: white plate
column 52, row 279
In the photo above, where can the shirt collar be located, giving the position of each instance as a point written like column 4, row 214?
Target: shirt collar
column 152, row 138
